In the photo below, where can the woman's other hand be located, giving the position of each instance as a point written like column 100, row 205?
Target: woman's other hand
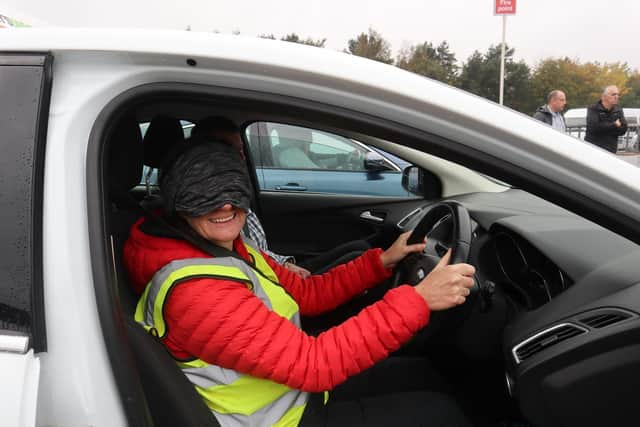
column 399, row 250
column 446, row 285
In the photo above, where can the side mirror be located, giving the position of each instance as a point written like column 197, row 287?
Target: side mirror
column 413, row 180
column 374, row 162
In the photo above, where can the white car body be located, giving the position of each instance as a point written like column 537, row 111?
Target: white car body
column 72, row 384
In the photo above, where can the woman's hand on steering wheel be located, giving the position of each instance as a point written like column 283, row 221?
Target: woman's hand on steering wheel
column 446, row 285
column 399, row 250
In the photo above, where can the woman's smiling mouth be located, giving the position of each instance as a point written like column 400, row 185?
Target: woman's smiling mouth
column 222, row 219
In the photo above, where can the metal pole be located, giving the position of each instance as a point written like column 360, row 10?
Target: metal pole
column 504, row 33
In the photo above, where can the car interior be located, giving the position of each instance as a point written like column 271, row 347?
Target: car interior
column 551, row 320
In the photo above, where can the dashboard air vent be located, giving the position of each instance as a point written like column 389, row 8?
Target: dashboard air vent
column 546, row 339
column 604, row 318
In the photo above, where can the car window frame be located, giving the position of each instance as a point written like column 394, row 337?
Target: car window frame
column 36, row 71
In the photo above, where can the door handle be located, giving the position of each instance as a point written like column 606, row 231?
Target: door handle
column 292, row 186
column 371, row 217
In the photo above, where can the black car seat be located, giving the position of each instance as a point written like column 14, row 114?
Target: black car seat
column 171, row 398
column 163, row 133
column 163, row 137
column 124, row 171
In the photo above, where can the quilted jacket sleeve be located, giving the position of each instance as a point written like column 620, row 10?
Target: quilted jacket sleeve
column 320, row 293
column 223, row 323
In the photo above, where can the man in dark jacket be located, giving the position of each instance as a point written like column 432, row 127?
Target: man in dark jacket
column 605, row 121
column 551, row 112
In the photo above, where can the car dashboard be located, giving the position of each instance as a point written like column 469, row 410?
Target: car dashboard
column 523, row 272
column 571, row 294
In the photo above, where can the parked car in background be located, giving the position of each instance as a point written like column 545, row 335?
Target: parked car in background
column 303, row 159
column 576, row 120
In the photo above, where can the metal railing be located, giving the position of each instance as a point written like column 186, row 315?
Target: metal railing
column 627, row 143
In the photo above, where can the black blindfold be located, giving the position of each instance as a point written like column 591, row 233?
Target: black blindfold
column 205, row 177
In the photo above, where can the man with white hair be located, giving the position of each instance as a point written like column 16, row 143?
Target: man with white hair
column 605, row 120
column 551, row 112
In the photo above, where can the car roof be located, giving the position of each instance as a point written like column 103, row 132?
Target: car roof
column 275, row 58
column 317, row 75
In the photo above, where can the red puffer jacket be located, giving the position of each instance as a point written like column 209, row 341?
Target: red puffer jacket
column 225, row 324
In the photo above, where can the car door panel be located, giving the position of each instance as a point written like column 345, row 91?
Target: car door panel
column 302, row 224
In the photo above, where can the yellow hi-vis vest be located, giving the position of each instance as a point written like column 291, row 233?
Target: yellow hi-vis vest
column 236, row 399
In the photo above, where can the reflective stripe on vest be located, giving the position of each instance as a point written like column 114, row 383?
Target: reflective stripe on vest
column 236, row 399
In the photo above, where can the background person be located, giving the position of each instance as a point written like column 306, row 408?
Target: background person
column 551, row 112
column 606, row 121
column 232, row 322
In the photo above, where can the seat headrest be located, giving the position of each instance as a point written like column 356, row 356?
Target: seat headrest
column 124, row 156
column 163, row 134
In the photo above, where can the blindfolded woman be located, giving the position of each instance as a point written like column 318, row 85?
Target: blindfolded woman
column 230, row 315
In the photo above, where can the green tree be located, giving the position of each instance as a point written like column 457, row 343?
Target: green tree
column 616, row 73
column 481, row 75
column 371, row 45
column 294, row 38
column 434, row 62
column 563, row 74
column 582, row 83
column 448, row 61
column 632, row 97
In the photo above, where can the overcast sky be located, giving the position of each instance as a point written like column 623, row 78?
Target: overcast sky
column 589, row 30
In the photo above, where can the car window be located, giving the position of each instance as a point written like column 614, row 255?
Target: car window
column 295, row 147
column 290, row 146
column 338, row 153
column 24, row 87
column 296, row 158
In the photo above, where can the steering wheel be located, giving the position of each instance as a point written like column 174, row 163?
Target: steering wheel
column 446, row 225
